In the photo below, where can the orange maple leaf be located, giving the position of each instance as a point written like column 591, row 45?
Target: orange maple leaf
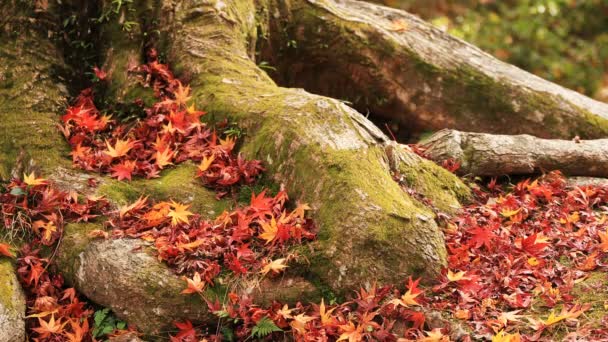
column 51, row 327
column 351, row 333
column 195, row 285
column 299, row 323
column 326, row 317
column 141, row 201
column 121, row 148
column 604, row 238
column 5, row 250
column 48, row 229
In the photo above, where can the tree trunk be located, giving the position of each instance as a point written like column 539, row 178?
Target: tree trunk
column 325, row 152
column 400, row 68
column 495, row 155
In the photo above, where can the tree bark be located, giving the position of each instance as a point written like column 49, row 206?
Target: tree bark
column 325, row 152
column 402, row 69
column 494, row 155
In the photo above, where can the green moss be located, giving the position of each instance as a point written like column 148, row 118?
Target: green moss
column 594, row 291
column 442, row 187
column 177, row 183
column 7, row 289
column 30, row 101
column 74, row 242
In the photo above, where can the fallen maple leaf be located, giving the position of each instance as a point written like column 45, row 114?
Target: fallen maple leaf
column 98, row 233
column 121, row 148
column 179, row 213
column 502, row 336
column 195, row 285
column 604, row 241
column 31, row 180
column 123, row 170
column 456, row 276
column 141, row 201
column 299, row 323
column 275, row 266
column 351, row 332
column 205, row 163
column 326, row 317
column 46, row 329
column 5, row 250
column 164, row 157
column 572, row 313
column 269, row 231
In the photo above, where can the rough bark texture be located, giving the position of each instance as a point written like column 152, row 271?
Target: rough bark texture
column 12, row 305
column 397, row 66
column 493, row 155
column 122, row 275
column 325, row 152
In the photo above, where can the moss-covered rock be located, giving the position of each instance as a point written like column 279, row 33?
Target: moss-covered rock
column 12, row 304
column 177, row 183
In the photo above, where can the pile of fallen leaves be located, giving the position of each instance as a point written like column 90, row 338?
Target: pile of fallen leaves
column 170, row 133
column 514, row 256
column 246, row 240
column 521, row 251
column 31, row 209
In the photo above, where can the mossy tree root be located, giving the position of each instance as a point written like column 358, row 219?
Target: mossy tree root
column 326, row 153
column 404, row 70
column 484, row 154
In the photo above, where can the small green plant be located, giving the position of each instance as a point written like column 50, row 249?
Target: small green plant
column 264, row 328
column 105, row 323
column 266, row 66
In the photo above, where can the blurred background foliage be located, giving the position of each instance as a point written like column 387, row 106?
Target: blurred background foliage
column 565, row 41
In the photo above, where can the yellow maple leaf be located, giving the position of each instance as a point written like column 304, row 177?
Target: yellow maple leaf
column 179, row 213
column 181, row 94
column 533, row 261
column 456, row 276
column 300, row 210
column 205, row 163
column 406, row 300
column 504, row 337
column 121, row 148
column 48, row 228
column 509, row 213
column 572, row 313
column 269, row 230
column 275, row 266
column 299, row 323
column 163, row 158
column 31, row 180
column 285, row 311
column 435, row 335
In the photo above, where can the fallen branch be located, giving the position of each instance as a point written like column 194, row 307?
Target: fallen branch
column 493, row 155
